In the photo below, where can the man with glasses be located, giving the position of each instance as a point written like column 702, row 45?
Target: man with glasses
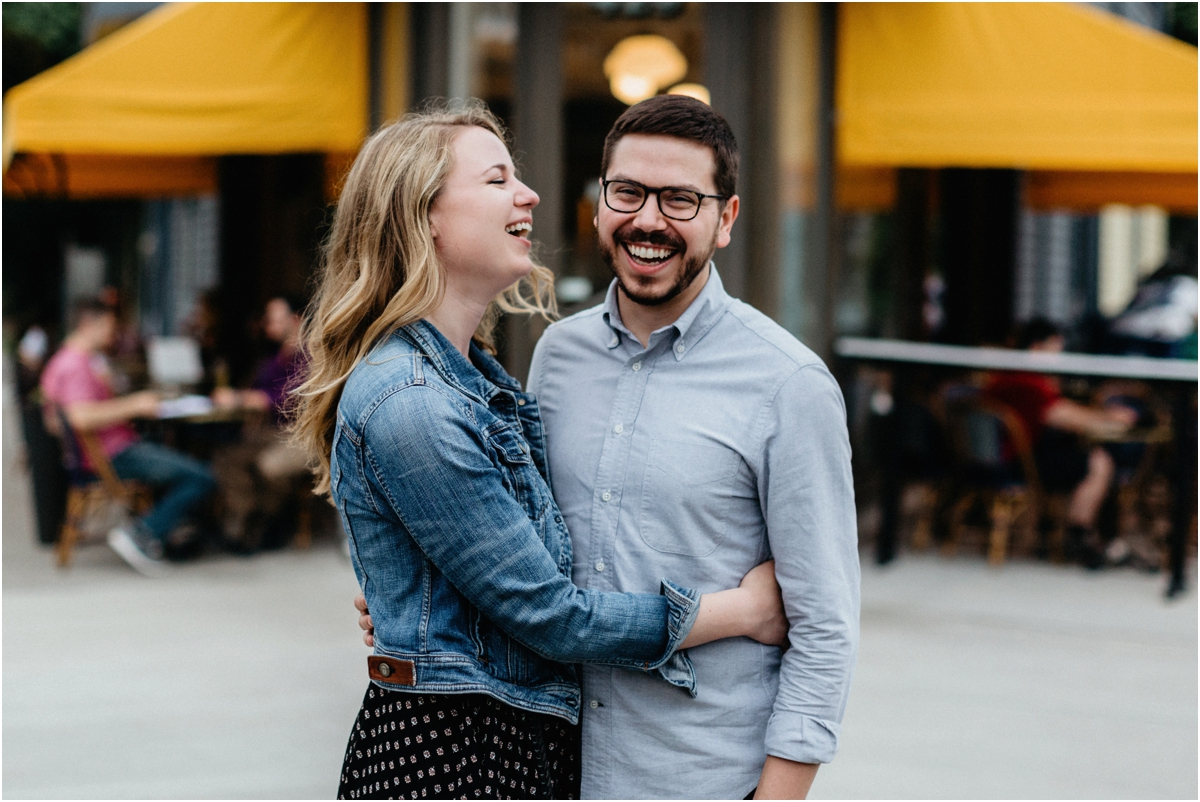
column 690, row 436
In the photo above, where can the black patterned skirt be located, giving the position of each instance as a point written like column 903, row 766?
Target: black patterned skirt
column 451, row 746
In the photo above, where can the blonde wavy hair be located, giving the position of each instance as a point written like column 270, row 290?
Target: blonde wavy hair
column 380, row 269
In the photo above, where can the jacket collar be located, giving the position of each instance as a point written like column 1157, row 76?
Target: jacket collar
column 478, row 377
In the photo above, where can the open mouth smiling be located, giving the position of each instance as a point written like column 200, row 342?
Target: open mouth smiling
column 648, row 255
column 519, row 229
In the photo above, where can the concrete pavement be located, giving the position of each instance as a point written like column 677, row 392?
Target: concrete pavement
column 240, row 677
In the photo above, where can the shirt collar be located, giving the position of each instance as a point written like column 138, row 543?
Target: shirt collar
column 479, row 376
column 690, row 327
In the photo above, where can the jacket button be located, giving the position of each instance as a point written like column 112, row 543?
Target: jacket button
column 593, row 704
column 520, row 402
column 385, row 670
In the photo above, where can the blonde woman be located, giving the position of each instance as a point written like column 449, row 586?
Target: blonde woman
column 435, row 459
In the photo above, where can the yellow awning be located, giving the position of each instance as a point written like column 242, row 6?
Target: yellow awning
column 203, row 79
column 1025, row 85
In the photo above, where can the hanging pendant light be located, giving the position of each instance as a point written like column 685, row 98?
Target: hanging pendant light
column 641, row 65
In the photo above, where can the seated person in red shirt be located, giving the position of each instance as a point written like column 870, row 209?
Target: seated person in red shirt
column 1052, row 423
column 77, row 382
column 256, row 476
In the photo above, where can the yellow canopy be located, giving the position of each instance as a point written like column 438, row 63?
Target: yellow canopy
column 202, row 79
column 1025, row 85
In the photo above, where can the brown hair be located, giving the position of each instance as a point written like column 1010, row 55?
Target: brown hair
column 686, row 118
column 87, row 309
column 380, row 270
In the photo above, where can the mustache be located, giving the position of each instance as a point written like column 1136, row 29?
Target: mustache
column 660, row 239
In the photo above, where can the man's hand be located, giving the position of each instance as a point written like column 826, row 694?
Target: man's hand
column 785, row 779
column 364, row 620
column 226, row 398
column 144, row 404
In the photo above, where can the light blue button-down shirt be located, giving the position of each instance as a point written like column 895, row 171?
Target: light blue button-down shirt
column 720, row 445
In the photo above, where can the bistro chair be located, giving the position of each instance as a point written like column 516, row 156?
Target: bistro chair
column 993, row 467
column 91, row 492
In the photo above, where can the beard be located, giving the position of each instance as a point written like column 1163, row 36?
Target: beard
column 639, row 288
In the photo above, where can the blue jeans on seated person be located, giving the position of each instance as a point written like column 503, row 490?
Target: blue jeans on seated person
column 187, row 480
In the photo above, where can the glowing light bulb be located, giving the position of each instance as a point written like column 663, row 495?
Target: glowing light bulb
column 630, row 89
column 698, row 91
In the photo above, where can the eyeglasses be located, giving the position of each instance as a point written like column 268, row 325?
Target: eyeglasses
column 678, row 204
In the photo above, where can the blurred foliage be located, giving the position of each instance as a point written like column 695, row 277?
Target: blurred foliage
column 37, row 36
column 1181, row 21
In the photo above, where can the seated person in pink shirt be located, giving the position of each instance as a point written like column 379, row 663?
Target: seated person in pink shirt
column 76, row 382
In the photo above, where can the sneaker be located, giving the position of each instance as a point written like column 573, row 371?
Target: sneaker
column 142, row 552
column 1118, row 552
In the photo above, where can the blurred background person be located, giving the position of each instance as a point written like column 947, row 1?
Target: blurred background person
column 258, row 474
column 1054, row 424
column 1160, row 321
column 77, row 390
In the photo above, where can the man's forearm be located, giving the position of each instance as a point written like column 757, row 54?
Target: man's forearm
column 85, row 416
column 785, row 779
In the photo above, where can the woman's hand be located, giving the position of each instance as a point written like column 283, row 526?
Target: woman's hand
column 754, row 610
column 766, row 622
column 364, row 620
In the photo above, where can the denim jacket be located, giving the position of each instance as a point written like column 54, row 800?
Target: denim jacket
column 438, row 470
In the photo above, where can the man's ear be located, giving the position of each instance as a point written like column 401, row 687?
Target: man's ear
column 728, row 216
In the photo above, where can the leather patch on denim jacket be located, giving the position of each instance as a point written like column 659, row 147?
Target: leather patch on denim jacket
column 391, row 670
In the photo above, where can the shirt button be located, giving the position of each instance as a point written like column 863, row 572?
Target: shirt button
column 679, row 348
column 636, row 366
column 593, row 704
column 606, row 496
column 614, row 341
column 600, row 565
column 618, row 428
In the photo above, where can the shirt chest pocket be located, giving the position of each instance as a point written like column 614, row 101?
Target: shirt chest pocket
column 686, row 486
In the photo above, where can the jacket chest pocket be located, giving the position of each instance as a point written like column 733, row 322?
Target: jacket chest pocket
column 521, row 478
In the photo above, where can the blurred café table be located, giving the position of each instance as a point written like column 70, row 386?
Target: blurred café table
column 193, row 424
column 1174, row 378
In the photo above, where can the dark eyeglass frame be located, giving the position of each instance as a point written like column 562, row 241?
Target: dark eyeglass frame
column 657, row 193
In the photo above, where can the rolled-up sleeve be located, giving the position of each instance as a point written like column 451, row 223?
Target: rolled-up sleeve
column 807, row 494
column 450, row 497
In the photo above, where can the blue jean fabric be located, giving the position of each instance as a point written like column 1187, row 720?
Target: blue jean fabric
column 438, row 470
column 187, row 481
